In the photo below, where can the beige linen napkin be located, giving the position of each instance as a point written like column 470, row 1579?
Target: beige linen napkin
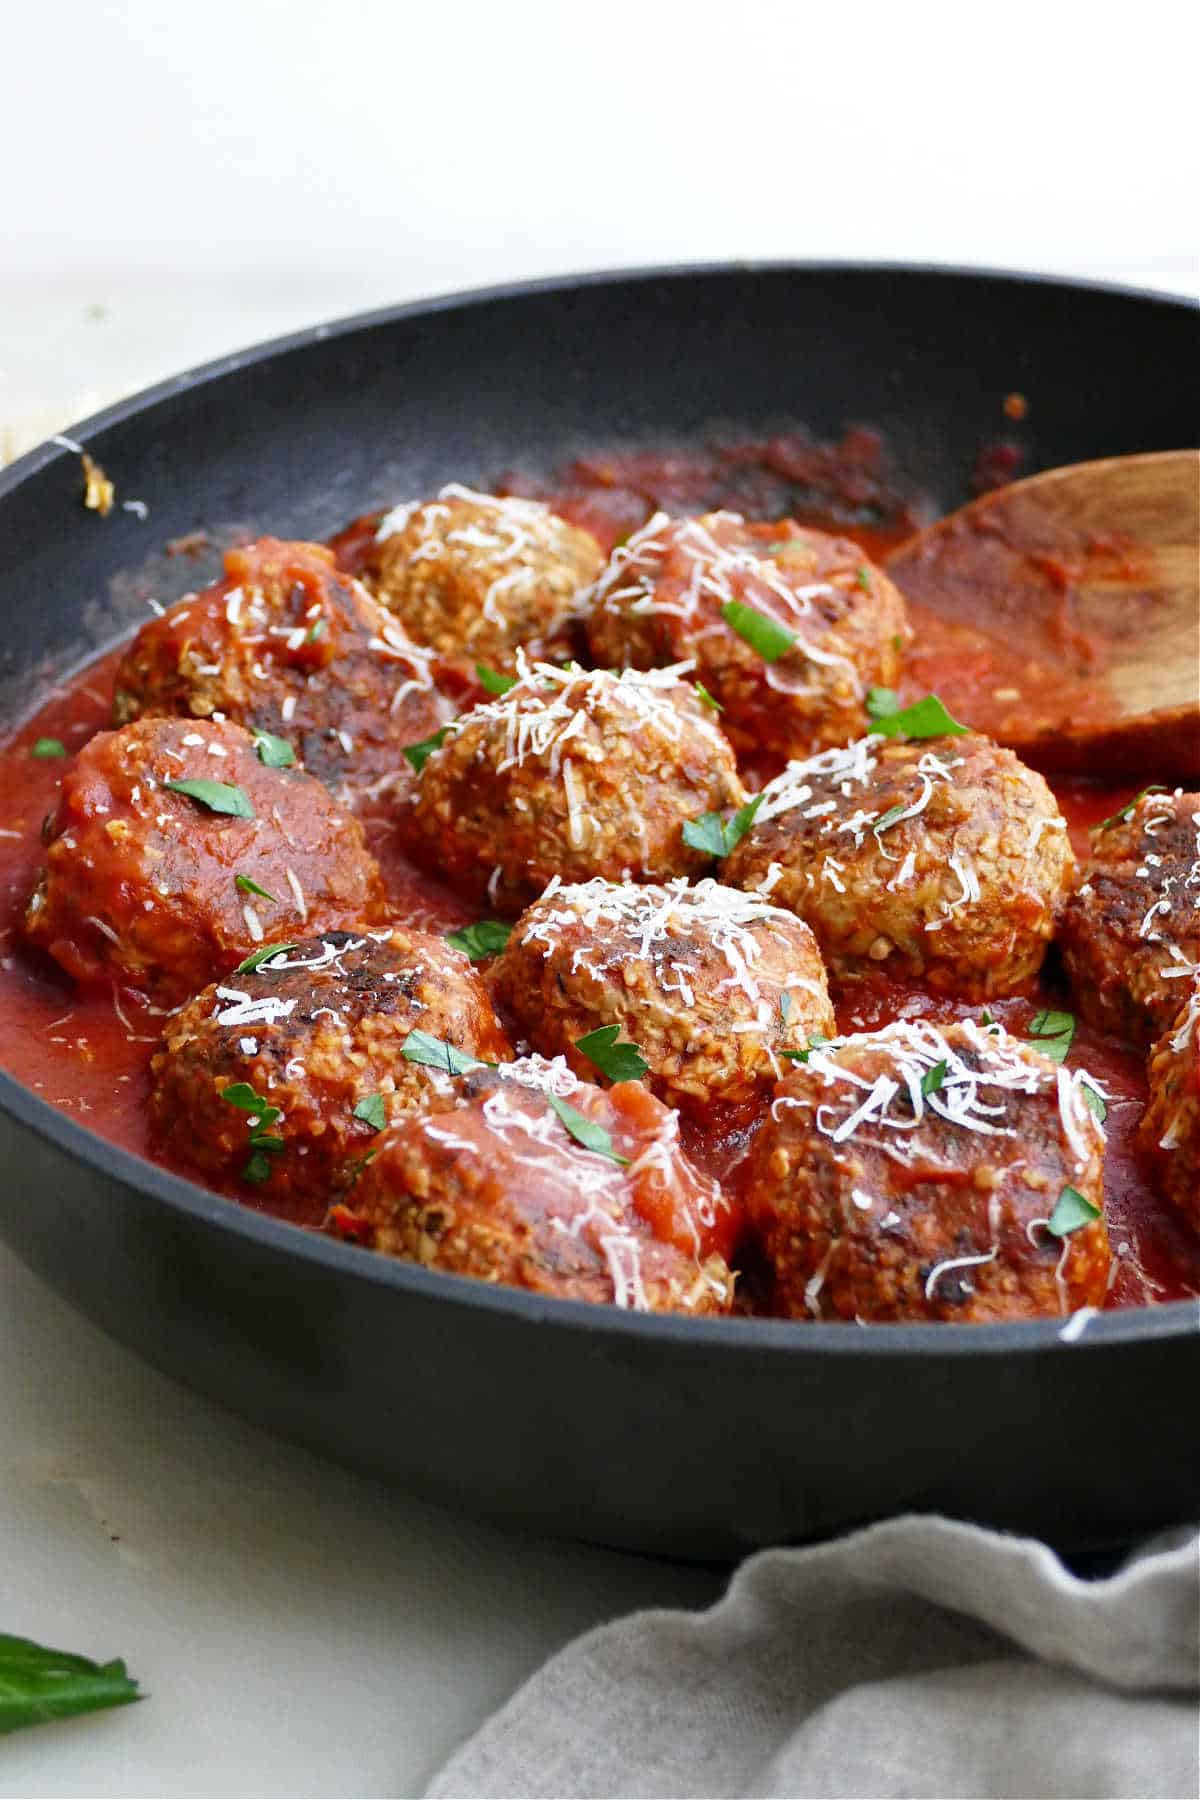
column 918, row 1658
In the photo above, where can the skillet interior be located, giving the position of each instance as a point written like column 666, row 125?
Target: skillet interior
column 695, row 1438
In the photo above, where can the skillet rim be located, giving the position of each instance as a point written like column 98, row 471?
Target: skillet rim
column 1175, row 1319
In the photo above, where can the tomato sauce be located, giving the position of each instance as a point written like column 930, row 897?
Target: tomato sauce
column 90, row 1056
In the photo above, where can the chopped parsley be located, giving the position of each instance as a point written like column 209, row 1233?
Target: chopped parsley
column 421, row 1047
column 926, row 718
column 263, row 1144
column 38, row 1685
column 243, row 1096
column 486, row 937
column 591, row 1136
column 275, row 752
column 889, row 818
column 492, row 681
column 217, row 796
column 706, row 699
column 44, row 749
column 619, row 1062
column 1094, row 1100
column 419, row 754
column 1072, row 1212
column 863, row 577
column 1054, row 1033
column 815, row 1042
column 764, row 635
column 316, row 630
column 264, row 954
column 372, row 1112
column 244, row 885
column 933, row 1079
column 1126, row 812
column 716, row 836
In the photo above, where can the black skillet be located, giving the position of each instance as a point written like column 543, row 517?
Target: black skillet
column 697, row 1438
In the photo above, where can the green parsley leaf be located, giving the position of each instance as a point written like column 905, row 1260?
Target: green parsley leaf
column 421, row 1047
column 419, row 754
column 770, row 640
column 716, row 836
column 46, row 748
column 241, row 1094
column 372, row 1112
column 591, row 1136
column 37, row 1685
column 889, row 818
column 257, row 1167
column 317, row 629
column 1072, row 1211
column 492, row 681
column 486, row 937
column 244, row 885
column 1117, row 818
column 933, row 1079
column 266, row 1142
column 863, row 577
column 1054, row 1032
column 881, row 702
column 217, row 796
column 706, row 699
column 275, row 752
column 926, row 718
column 1094, row 1100
column 264, row 954
column 619, row 1062
column 815, row 1042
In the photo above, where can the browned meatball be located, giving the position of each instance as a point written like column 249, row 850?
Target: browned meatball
column 664, row 594
column 571, row 774
column 317, row 1034
column 145, row 884
column 287, row 645
column 502, row 1188
column 479, row 578
column 948, row 861
column 1169, row 1133
column 1130, row 936
column 712, row 985
column 929, row 1173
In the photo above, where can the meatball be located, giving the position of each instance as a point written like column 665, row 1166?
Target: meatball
column 712, row 985
column 930, row 1173
column 541, row 1181
column 317, row 1034
column 573, row 774
column 176, row 850
column 1169, row 1134
column 665, row 595
column 477, row 577
column 287, row 645
column 1131, row 933
column 948, row 862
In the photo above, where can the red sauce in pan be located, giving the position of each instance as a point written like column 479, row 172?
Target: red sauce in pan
column 76, row 1052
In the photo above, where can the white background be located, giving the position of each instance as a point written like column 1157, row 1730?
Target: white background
column 176, row 181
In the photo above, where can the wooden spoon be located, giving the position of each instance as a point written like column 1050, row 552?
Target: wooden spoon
column 1061, row 615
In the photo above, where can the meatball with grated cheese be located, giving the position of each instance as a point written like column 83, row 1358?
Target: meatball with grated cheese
column 540, row 1181
column 317, row 1035
column 1169, row 1134
column 1130, row 935
column 944, row 860
column 175, row 851
column 477, row 577
column 922, row 1172
column 664, row 597
column 712, row 985
column 574, row 774
column 285, row 644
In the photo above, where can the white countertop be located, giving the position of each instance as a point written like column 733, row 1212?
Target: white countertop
column 190, row 187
